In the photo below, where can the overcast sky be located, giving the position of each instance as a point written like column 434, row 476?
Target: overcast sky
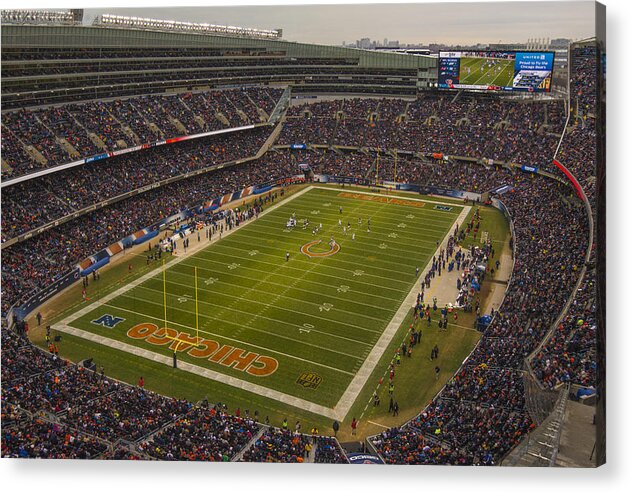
column 447, row 22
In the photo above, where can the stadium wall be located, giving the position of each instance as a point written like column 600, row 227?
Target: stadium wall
column 100, row 37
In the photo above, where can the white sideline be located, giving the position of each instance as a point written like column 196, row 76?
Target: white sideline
column 203, row 372
column 357, row 384
column 88, row 308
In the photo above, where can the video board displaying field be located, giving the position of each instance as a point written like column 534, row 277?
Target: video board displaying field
column 496, row 70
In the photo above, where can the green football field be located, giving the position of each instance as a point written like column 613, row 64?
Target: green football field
column 298, row 330
column 475, row 71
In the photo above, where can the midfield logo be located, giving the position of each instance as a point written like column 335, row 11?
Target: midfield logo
column 309, row 380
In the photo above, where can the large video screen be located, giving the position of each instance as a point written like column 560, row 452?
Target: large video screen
column 496, row 70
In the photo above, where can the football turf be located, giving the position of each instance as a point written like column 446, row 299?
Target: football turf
column 317, row 317
column 480, row 75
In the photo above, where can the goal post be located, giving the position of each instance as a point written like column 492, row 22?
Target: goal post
column 177, row 339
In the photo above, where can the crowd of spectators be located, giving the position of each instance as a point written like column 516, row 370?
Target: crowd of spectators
column 30, row 132
column 29, row 266
column 39, row 439
column 480, row 414
column 21, row 361
column 578, row 147
column 128, row 412
column 488, row 389
column 328, row 451
column 54, row 409
column 497, row 387
column 453, row 174
column 204, row 434
column 570, row 354
column 502, row 130
column 122, row 123
column 31, row 204
column 55, row 391
column 278, row 445
column 584, row 65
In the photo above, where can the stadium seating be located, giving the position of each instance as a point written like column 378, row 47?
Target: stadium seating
column 466, row 418
column 53, row 409
column 65, row 133
column 29, row 205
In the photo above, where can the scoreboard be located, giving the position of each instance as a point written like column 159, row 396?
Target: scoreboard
column 449, row 70
column 496, row 70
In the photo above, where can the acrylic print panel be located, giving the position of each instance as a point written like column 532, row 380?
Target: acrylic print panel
column 349, row 234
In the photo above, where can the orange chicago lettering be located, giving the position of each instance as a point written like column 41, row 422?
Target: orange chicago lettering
column 237, row 356
column 221, row 353
column 209, row 348
column 141, row 331
column 162, row 336
column 268, row 366
column 184, row 342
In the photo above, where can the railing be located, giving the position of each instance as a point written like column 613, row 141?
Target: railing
column 541, row 447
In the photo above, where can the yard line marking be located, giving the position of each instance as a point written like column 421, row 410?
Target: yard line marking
column 378, row 424
column 431, row 222
column 336, row 322
column 201, row 331
column 380, row 286
column 232, row 274
column 175, row 261
column 316, row 293
column 323, row 265
column 369, row 237
column 345, row 403
column 347, row 247
column 203, row 372
column 428, row 218
column 302, row 270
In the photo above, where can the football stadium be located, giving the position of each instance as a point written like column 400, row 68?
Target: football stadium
column 220, row 245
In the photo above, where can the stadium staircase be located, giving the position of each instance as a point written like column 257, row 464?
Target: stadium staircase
column 334, row 134
column 152, row 126
column 244, row 118
column 176, row 123
column 35, row 155
column 541, row 447
column 6, row 168
column 270, row 141
column 455, row 98
column 249, row 445
column 281, row 106
column 198, row 119
column 263, row 116
column 404, row 114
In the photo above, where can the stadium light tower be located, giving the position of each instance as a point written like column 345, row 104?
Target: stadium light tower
column 110, row 20
column 38, row 17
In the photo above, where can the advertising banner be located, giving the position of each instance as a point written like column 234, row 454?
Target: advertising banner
column 47, row 293
column 358, row 458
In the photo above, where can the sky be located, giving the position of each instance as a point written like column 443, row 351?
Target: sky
column 332, row 24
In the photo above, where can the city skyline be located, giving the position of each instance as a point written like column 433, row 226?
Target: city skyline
column 409, row 23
